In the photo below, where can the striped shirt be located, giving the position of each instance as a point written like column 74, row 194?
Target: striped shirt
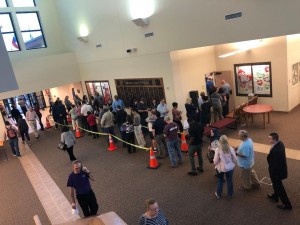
column 159, row 220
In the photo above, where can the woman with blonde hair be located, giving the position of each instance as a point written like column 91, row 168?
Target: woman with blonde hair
column 224, row 160
column 191, row 110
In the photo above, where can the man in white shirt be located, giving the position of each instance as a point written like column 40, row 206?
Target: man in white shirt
column 31, row 117
column 84, row 109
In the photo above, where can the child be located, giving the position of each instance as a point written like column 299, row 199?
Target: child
column 23, row 128
column 129, row 134
column 91, row 119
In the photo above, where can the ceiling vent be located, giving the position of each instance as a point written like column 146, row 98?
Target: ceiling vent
column 233, row 16
column 149, row 34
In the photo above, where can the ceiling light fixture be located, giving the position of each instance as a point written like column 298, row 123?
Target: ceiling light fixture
column 83, row 39
column 243, row 46
column 141, row 22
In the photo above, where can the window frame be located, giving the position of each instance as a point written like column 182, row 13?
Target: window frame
column 26, row 31
column 11, row 32
column 16, row 7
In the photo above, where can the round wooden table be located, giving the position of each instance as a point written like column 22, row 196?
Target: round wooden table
column 256, row 109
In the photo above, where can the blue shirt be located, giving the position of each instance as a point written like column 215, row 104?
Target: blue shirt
column 80, row 182
column 116, row 103
column 246, row 149
column 163, row 109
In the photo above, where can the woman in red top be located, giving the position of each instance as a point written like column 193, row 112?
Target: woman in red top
column 91, row 119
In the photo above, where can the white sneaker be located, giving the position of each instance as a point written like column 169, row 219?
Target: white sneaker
column 216, row 194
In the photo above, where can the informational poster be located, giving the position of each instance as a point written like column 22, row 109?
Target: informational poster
column 244, row 80
column 295, row 74
column 253, row 78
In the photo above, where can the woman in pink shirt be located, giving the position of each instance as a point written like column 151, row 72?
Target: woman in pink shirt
column 225, row 159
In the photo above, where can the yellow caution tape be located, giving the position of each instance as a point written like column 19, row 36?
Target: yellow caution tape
column 105, row 134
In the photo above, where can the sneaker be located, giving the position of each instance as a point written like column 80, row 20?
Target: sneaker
column 216, row 194
column 14, row 155
column 155, row 150
column 19, row 156
column 192, row 173
column 37, row 137
column 29, row 144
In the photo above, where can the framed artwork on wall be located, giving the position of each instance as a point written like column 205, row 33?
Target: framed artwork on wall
column 253, row 78
column 295, row 74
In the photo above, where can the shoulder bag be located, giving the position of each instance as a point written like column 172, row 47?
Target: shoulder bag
column 62, row 146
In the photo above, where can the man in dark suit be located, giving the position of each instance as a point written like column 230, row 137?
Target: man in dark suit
column 278, row 171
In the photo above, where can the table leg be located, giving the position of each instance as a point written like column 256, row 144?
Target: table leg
column 268, row 117
column 246, row 118
column 264, row 120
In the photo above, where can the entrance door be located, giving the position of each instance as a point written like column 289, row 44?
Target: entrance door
column 225, row 75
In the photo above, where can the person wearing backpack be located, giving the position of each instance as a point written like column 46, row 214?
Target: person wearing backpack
column 11, row 133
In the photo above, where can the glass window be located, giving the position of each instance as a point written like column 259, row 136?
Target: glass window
column 23, row 3
column 8, row 32
column 3, row 4
column 31, row 30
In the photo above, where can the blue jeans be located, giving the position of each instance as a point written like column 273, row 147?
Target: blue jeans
column 14, row 144
column 229, row 176
column 173, row 146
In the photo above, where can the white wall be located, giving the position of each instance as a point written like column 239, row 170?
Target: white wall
column 293, row 56
column 66, row 90
column 189, row 69
column 41, row 73
column 176, row 25
column 149, row 66
column 274, row 50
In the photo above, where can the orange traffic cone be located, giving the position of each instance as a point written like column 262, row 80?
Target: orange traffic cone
column 153, row 162
column 184, row 146
column 47, row 123
column 112, row 145
column 77, row 134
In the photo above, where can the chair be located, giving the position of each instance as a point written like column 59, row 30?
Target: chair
column 253, row 100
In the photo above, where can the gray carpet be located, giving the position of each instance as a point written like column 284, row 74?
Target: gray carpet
column 123, row 183
column 287, row 125
column 19, row 203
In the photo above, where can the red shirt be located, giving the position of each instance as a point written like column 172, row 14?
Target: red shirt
column 91, row 119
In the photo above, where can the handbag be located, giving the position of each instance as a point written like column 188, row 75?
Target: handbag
column 210, row 156
column 62, row 146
